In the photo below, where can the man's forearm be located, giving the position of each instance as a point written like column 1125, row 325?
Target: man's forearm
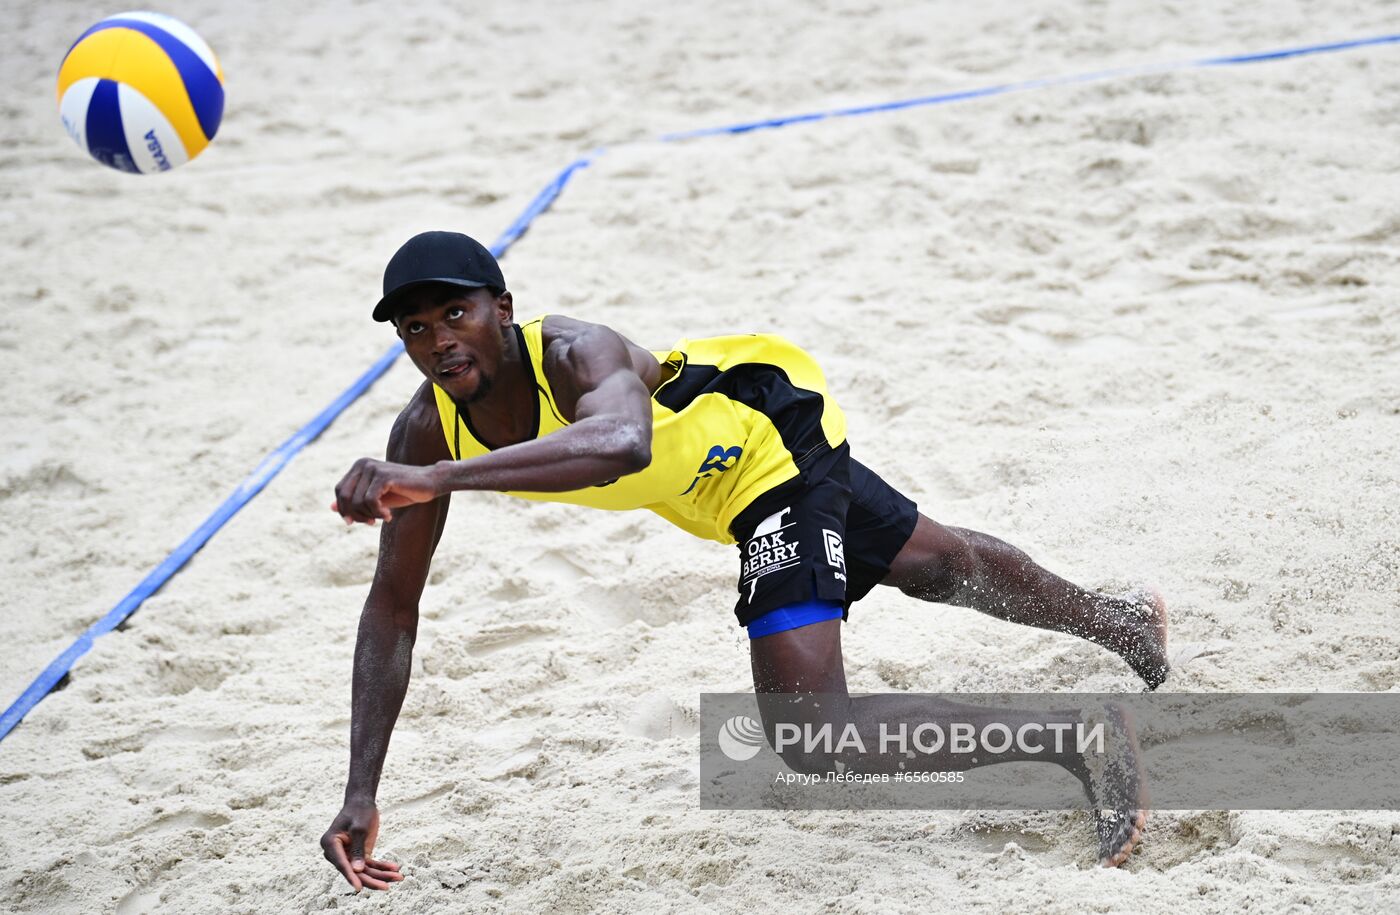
column 383, row 660
column 587, row 453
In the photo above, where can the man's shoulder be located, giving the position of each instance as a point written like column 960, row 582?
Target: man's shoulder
column 559, row 331
column 567, row 343
column 561, row 334
column 417, row 436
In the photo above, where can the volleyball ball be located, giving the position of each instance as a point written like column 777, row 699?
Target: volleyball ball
column 141, row 92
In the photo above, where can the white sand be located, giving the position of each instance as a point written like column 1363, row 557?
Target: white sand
column 1143, row 328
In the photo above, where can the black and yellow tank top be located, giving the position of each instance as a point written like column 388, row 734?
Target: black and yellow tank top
column 736, row 417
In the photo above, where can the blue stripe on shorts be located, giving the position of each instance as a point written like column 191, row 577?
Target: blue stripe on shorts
column 795, row 616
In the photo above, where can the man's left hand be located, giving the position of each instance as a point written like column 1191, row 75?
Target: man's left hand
column 373, row 489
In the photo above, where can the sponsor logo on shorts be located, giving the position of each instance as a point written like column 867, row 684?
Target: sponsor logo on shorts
column 767, row 551
column 835, row 553
column 716, row 462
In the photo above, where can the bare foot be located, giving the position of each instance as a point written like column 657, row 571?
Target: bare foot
column 1118, row 790
column 1143, row 643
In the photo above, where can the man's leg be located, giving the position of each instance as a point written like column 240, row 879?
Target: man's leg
column 952, row 565
column 808, row 660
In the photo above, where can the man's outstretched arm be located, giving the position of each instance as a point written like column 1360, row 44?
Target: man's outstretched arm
column 384, row 651
column 593, row 376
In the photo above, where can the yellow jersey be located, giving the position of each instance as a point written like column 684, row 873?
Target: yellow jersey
column 736, row 417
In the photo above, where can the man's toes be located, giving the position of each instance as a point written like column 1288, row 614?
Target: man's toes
column 1122, row 842
column 1125, row 851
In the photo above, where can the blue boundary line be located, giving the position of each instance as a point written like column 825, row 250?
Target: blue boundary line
column 944, row 98
column 253, row 484
column 271, row 465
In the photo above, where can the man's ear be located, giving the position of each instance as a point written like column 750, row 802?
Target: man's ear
column 505, row 308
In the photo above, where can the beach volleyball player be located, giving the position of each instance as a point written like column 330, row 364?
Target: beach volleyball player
column 735, row 439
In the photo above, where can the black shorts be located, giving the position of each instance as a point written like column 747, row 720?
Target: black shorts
column 830, row 536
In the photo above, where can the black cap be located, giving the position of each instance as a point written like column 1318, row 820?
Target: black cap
column 437, row 257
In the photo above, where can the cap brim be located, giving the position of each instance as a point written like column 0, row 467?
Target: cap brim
column 384, row 311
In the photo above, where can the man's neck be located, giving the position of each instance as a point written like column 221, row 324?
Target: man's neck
column 506, row 415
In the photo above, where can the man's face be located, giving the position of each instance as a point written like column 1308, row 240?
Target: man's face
column 456, row 337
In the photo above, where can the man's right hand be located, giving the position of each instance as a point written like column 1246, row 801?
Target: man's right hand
column 348, row 843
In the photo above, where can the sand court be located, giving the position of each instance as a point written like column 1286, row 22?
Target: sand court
column 1144, row 328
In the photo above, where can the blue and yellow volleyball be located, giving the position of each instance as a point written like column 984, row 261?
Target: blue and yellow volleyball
column 141, row 92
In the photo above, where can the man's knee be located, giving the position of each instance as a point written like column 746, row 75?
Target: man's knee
column 943, row 564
